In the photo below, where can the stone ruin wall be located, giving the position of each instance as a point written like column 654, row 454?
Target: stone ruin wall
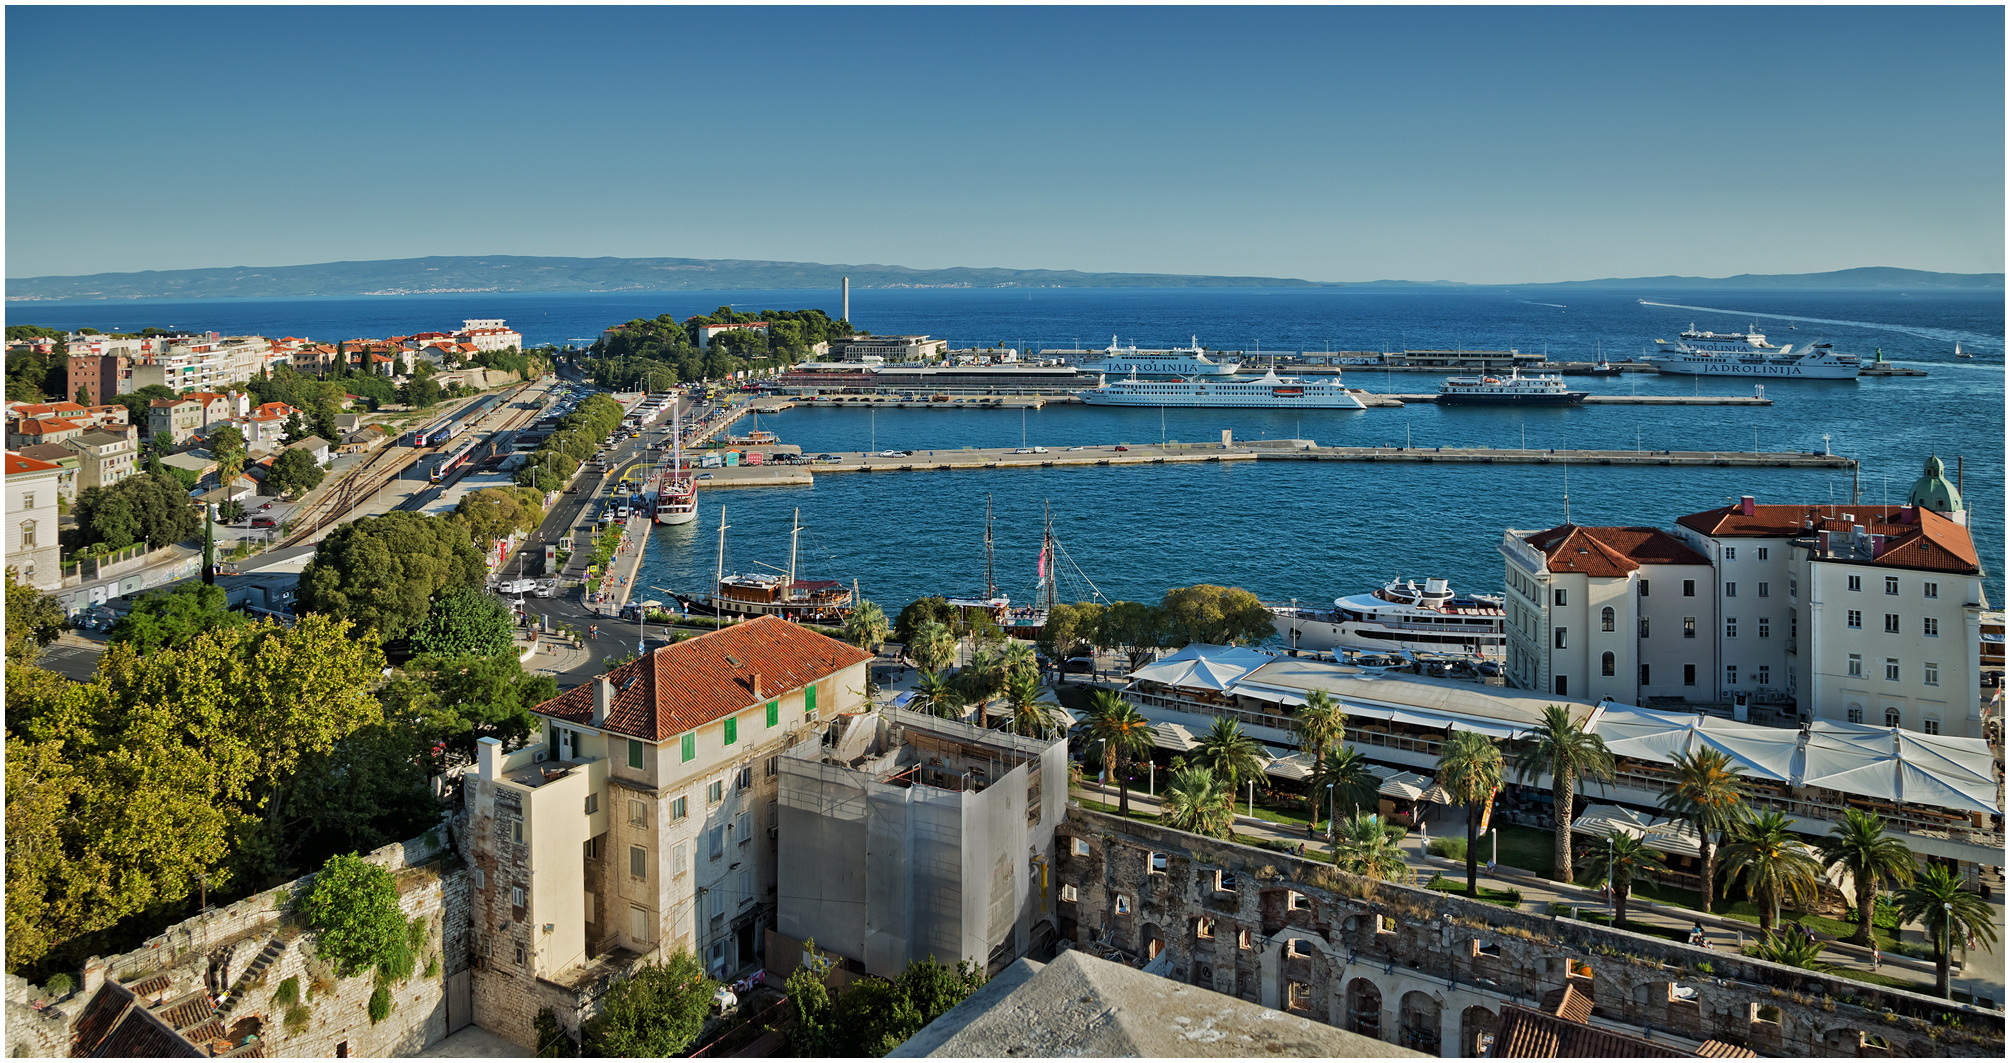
column 1431, row 971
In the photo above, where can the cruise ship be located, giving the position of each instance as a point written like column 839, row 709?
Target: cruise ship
column 1269, row 391
column 1748, row 354
column 1401, row 616
column 1179, row 361
column 1511, row 390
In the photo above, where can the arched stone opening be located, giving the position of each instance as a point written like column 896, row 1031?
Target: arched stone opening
column 1476, row 1031
column 1418, row 1022
column 1364, row 1008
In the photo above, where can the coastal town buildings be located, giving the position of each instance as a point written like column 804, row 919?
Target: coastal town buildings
column 489, row 334
column 891, row 349
column 103, row 457
column 32, row 549
column 176, row 419
column 706, row 332
column 67, row 462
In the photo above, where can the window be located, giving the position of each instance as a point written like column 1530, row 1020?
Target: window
column 638, row 861
column 1730, row 675
column 1606, row 663
column 516, row 896
column 1562, row 638
column 516, row 832
column 1123, row 905
column 1856, row 666
column 1688, row 588
column 1891, row 585
column 635, row 753
column 732, row 729
column 1242, row 939
column 1930, row 589
column 1730, row 553
column 592, row 803
column 1932, row 627
column 28, row 500
column 690, row 747
column 716, row 841
column 1891, row 623
column 27, row 535
column 810, row 701
column 1080, row 847
column 1891, row 718
column 740, row 824
column 716, row 792
column 774, row 766
column 520, row 957
column 481, row 879
column 1793, row 588
column 1298, row 902
column 774, row 712
column 1157, row 862
column 1856, row 618
column 680, row 807
column 1562, row 596
column 1643, row 675
column 1688, row 627
column 593, row 847
column 1203, row 927
column 744, row 778
column 1730, row 627
column 1765, row 590
column 1762, row 553
column 1891, row 669
column 1643, row 627
column 1730, row 590
column 1929, row 673
column 1688, row 675
column 1856, row 583
column 1068, row 894
column 1562, row 686
column 1643, row 588
column 1765, row 627
column 1931, row 724
column 1606, row 619
column 638, row 814
column 638, row 925
column 1763, row 674
column 1856, row 714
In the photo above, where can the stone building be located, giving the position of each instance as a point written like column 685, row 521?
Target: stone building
column 1437, row 973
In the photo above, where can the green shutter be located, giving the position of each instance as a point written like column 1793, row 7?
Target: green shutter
column 634, row 753
column 810, row 699
column 690, row 747
column 732, row 729
column 774, row 712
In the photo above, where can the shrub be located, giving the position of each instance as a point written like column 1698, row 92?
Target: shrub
column 288, row 993
column 60, row 985
column 433, row 966
column 1396, row 831
column 352, row 908
column 380, row 1005
column 298, row 1018
column 1449, row 848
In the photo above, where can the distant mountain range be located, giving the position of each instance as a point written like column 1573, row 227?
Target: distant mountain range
column 517, row 273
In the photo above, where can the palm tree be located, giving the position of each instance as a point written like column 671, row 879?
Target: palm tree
column 1565, row 752
column 980, row 681
column 1778, row 866
column 1938, row 899
column 1791, row 950
column 1346, row 770
column 936, row 694
column 1626, row 859
column 1197, row 802
column 1362, row 847
column 1233, row 756
column 866, row 627
column 1469, row 768
column 1710, row 796
column 1034, row 713
column 1124, row 733
column 1859, row 845
column 1018, row 657
column 932, row 646
column 1322, row 722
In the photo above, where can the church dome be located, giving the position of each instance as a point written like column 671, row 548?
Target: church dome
column 1934, row 491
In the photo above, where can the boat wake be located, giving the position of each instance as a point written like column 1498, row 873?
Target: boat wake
column 1940, row 334
column 1532, row 302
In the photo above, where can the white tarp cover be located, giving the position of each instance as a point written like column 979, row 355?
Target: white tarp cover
column 1900, row 766
column 1646, row 734
column 1172, row 736
column 1191, row 674
column 1668, row 836
column 1296, row 767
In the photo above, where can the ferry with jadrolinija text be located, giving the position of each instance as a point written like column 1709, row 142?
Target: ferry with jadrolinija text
column 1178, row 362
column 1511, row 390
column 1748, row 354
column 1401, row 616
column 1268, row 391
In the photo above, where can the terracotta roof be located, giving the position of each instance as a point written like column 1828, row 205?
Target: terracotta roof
column 1568, row 1003
column 16, row 464
column 1719, row 1050
column 708, row 678
column 144, row 1035
column 99, row 1018
column 35, row 427
column 1524, row 1033
column 1610, row 552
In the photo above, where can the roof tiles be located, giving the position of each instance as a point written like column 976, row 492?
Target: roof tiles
column 1610, row 552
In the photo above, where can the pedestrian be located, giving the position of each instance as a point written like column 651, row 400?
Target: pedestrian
column 1876, row 958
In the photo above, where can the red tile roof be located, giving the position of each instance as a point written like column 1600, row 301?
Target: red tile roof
column 1524, row 1033
column 18, row 464
column 702, row 680
column 33, row 427
column 1610, row 552
column 1914, row 538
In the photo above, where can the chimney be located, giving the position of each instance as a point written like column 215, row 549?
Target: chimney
column 1822, row 542
column 1876, row 547
column 489, row 752
column 1748, row 506
column 603, row 700
column 1906, row 515
column 754, row 680
column 94, row 975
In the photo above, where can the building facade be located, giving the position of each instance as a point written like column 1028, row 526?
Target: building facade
column 32, row 549
column 104, row 458
column 178, row 419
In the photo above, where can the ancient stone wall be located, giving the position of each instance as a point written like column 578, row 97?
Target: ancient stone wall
column 1430, row 971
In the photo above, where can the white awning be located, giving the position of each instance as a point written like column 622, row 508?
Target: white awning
column 1407, row 785
column 1668, row 836
column 1900, row 766
column 1646, row 734
column 1172, row 736
column 1294, row 767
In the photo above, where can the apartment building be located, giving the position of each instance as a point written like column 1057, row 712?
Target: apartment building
column 67, row 464
column 1624, row 612
column 102, row 375
column 489, row 334
column 201, row 363
column 177, row 419
column 640, row 821
column 32, row 549
column 41, row 431
column 104, row 458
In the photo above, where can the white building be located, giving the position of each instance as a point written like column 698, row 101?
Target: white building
column 706, row 332
column 32, row 549
column 489, row 334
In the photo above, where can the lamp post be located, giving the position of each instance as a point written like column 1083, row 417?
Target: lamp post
column 1103, row 774
column 1608, row 880
column 1329, row 813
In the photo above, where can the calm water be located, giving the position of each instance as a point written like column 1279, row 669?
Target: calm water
column 1280, row 529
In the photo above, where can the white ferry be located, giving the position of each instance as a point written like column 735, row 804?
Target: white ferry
column 1401, row 616
column 1178, row 361
column 1748, row 354
column 1511, row 390
column 1269, row 391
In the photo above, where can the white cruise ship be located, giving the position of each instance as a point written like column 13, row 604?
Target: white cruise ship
column 1400, row 616
column 1178, row 361
column 1269, row 390
column 1748, row 354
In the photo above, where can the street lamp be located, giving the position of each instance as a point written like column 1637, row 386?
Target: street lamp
column 1103, row 772
column 1329, row 813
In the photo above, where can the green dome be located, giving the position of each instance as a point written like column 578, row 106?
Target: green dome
column 1934, row 491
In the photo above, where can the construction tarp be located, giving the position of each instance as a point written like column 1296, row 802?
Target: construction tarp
column 1664, row 835
column 1900, row 766
column 1646, row 734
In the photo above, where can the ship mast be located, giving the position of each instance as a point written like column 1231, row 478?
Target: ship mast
column 676, row 442
column 795, row 529
column 719, row 577
column 1047, row 548
column 990, row 585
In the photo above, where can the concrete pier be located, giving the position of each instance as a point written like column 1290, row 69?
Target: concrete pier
column 1623, row 400
column 1488, row 456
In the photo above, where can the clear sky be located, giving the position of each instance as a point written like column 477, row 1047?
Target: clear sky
column 1417, row 143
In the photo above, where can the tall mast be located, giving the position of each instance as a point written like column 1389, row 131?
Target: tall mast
column 720, row 576
column 1053, row 562
column 676, row 440
column 795, row 529
column 990, row 585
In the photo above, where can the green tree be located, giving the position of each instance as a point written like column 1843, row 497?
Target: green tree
column 1217, row 615
column 1469, row 768
column 654, row 1014
column 919, row 610
column 466, row 623
column 385, row 572
column 227, row 444
column 323, row 416
column 980, row 681
column 494, row 513
column 1859, row 845
column 456, row 701
column 1033, row 711
column 1362, row 847
column 1197, row 801
column 1626, row 860
column 294, row 472
column 553, row 1042
column 1564, row 751
column 1233, row 756
column 871, row 1017
column 936, row 694
column 932, row 645
column 1778, row 866
column 1346, row 771
column 352, row 907
column 1070, row 626
column 865, row 627
column 420, row 393
column 1123, row 733
column 83, row 394
column 1789, row 950
column 1710, row 796
column 139, row 400
column 170, row 617
column 296, row 429
column 34, row 620
column 1322, row 723
column 151, row 508
column 1938, row 900
column 231, row 512
column 1137, row 629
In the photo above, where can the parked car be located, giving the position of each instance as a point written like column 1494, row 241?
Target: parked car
column 1079, row 664
column 264, row 522
column 1122, row 449
column 704, row 476
column 889, row 453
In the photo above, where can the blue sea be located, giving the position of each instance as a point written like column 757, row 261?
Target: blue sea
column 1310, row 531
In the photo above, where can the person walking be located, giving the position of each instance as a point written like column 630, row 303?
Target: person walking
column 1876, row 957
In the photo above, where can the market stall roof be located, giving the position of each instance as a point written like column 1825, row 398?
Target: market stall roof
column 1647, row 734
column 1901, row 766
column 1295, row 767
column 1172, row 736
column 1668, row 836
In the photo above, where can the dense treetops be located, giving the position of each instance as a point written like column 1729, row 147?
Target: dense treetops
column 668, row 348
column 385, row 572
column 577, row 437
column 152, row 508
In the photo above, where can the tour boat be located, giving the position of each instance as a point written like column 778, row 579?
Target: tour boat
column 779, row 594
column 1511, row 390
column 1400, row 616
column 676, row 491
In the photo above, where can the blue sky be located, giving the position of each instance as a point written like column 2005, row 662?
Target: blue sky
column 1418, row 143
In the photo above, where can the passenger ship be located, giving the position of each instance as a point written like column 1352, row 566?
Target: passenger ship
column 1268, row 390
column 676, row 491
column 1401, row 616
column 1511, row 390
column 1748, row 354
column 1178, row 361
column 764, row 594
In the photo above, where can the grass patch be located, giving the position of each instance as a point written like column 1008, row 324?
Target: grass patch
column 1528, row 848
column 1505, row 898
column 1449, row 848
column 1879, row 978
column 1746, row 912
column 1111, row 808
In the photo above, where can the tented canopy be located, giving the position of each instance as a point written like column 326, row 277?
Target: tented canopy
column 1294, row 767
column 1399, row 783
column 1668, row 836
column 1190, row 674
column 1900, row 766
column 1646, row 734
column 1172, row 736
column 1437, row 795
